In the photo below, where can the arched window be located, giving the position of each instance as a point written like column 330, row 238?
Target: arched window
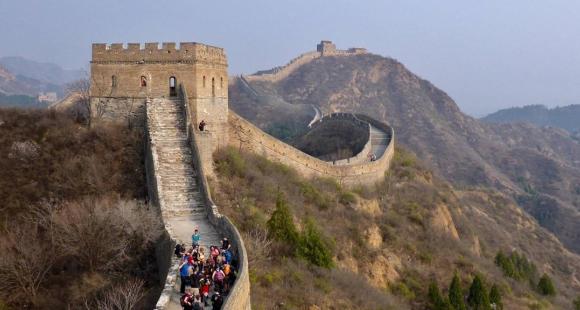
column 204, row 81
column 143, row 81
column 221, row 82
column 172, row 86
column 114, row 81
column 213, row 87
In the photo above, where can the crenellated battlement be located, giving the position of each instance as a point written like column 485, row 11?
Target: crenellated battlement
column 153, row 52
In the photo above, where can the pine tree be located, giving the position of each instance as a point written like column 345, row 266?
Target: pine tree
column 435, row 299
column 456, row 294
column 478, row 298
column 545, row 286
column 281, row 225
column 495, row 297
column 313, row 247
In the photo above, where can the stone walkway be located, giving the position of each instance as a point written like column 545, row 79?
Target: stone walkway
column 179, row 196
column 379, row 141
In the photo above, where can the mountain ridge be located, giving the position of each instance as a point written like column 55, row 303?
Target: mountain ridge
column 566, row 117
column 539, row 173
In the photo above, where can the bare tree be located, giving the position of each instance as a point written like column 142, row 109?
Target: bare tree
column 125, row 296
column 258, row 245
column 122, row 297
column 81, row 89
column 25, row 262
column 100, row 233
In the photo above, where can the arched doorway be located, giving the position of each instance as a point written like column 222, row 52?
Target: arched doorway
column 172, row 87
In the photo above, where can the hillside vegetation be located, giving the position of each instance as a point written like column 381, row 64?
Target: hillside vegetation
column 314, row 244
column 539, row 168
column 74, row 224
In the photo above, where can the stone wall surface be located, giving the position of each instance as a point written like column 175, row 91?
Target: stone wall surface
column 244, row 135
column 153, row 72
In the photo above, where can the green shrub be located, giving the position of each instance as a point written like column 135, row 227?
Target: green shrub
column 314, row 196
column 516, row 266
column 545, row 286
column 281, row 224
column 405, row 159
column 313, row 246
column 347, row 198
column 230, row 163
column 401, row 289
column 495, row 297
column 577, row 303
column 323, row 285
column 270, row 278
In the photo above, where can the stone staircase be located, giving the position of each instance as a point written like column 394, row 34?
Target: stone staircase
column 181, row 202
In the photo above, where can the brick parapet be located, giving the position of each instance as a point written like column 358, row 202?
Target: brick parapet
column 151, row 52
column 248, row 137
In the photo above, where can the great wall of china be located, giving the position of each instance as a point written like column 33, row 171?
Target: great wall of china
column 170, row 90
column 325, row 48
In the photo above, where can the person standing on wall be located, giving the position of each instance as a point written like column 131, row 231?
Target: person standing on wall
column 196, row 237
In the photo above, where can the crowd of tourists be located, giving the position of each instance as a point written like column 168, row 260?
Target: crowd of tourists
column 206, row 274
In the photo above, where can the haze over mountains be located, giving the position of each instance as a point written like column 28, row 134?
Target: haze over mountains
column 538, row 167
column 567, row 117
column 23, row 77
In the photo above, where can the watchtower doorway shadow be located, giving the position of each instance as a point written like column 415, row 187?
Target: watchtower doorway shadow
column 172, row 87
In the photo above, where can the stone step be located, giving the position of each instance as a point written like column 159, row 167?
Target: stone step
column 180, row 198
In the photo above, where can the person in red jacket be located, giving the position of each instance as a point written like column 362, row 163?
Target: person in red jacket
column 205, row 286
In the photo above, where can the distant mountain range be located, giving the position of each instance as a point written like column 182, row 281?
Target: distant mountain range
column 21, row 80
column 48, row 73
column 567, row 117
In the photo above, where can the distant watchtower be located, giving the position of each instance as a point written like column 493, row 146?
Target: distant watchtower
column 325, row 48
column 123, row 77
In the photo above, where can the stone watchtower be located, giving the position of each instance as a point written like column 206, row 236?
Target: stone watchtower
column 124, row 77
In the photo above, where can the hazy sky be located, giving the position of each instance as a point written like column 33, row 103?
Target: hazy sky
column 485, row 54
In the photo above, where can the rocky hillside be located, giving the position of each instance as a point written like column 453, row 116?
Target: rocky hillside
column 567, row 117
column 380, row 247
column 537, row 167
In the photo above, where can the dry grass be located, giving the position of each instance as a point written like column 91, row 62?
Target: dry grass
column 408, row 199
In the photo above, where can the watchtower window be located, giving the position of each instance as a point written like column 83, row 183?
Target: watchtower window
column 204, row 81
column 221, row 82
column 172, row 86
column 114, row 81
column 213, row 87
column 143, row 81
